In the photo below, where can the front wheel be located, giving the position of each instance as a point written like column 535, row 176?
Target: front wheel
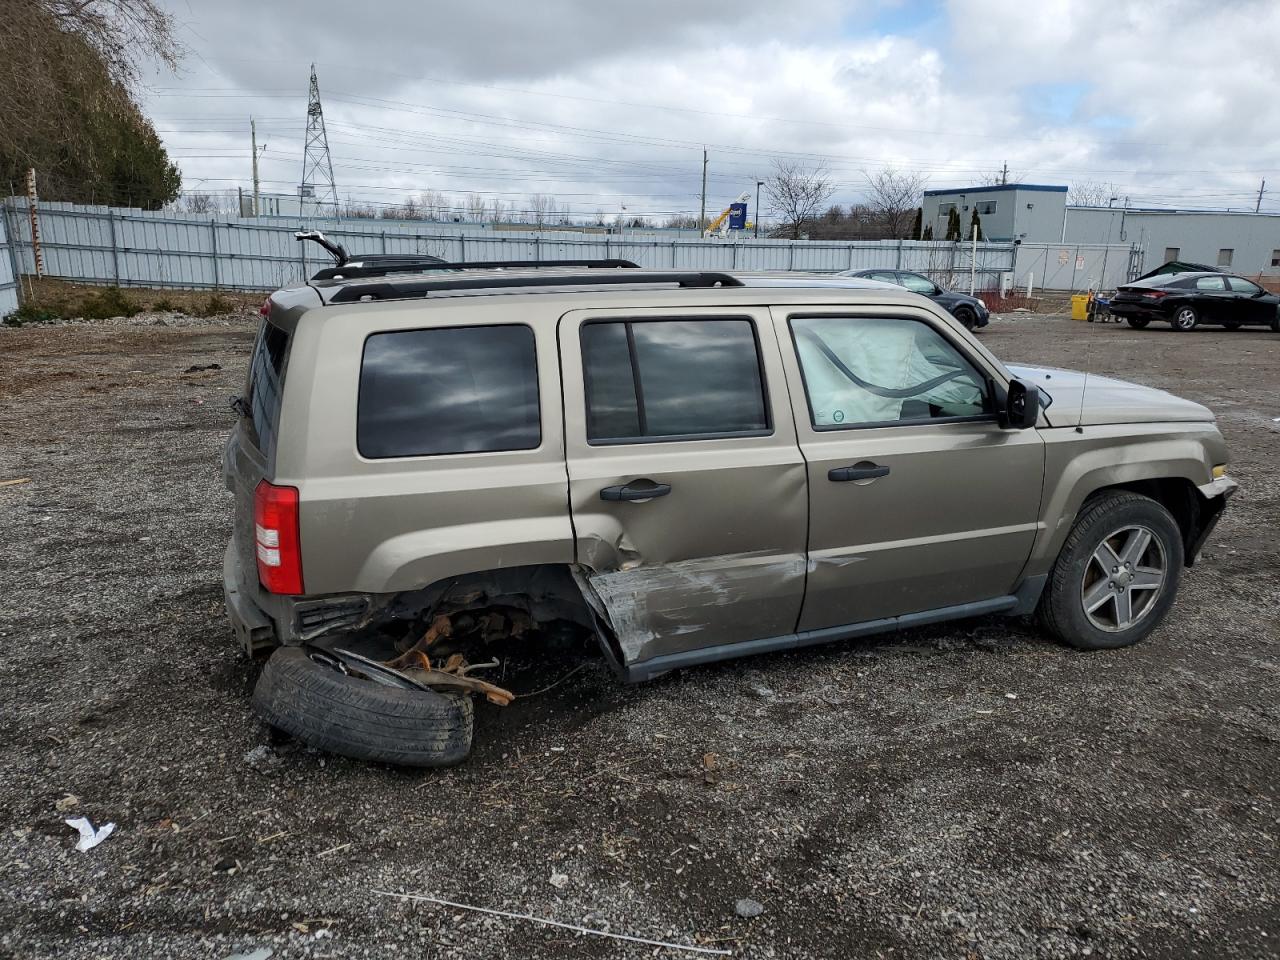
column 1138, row 323
column 1185, row 319
column 1117, row 574
column 1275, row 323
column 966, row 316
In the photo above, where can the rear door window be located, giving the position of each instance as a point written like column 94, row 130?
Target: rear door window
column 1211, row 283
column 672, row 379
column 448, row 390
column 266, row 383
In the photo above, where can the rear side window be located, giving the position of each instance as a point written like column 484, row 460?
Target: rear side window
column 1211, row 283
column 672, row 379
column 266, row 382
column 448, row 390
column 1240, row 285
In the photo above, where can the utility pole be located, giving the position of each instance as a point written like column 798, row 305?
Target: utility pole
column 702, row 217
column 759, row 184
column 1004, row 173
column 253, row 137
column 1257, row 207
column 32, row 199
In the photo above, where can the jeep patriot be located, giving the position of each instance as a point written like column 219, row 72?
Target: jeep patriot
column 688, row 466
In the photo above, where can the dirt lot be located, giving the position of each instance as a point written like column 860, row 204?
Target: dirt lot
column 968, row 791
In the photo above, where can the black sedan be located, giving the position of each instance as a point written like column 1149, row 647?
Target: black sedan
column 1186, row 300
column 970, row 311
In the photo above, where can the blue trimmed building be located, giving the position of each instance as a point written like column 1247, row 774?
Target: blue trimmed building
column 1031, row 212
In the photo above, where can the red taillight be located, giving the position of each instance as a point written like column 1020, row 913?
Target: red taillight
column 1154, row 295
column 275, row 528
column 265, row 309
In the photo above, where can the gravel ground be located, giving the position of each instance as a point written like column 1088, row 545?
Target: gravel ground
column 962, row 791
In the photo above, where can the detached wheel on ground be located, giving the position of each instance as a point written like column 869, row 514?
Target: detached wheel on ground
column 1117, row 574
column 965, row 316
column 1185, row 319
column 1138, row 323
column 307, row 692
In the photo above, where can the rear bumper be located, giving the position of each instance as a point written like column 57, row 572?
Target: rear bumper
column 1128, row 308
column 254, row 630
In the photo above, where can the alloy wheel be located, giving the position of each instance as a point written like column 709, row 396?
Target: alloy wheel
column 1123, row 579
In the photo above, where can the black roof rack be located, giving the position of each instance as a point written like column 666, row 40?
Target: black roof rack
column 405, row 289
column 380, row 265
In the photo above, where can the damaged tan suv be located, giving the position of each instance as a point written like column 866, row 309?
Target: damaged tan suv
column 690, row 466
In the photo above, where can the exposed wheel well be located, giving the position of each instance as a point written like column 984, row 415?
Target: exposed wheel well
column 1179, row 496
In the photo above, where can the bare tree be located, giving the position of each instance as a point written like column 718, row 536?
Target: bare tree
column 435, row 205
column 123, row 32
column 893, row 198
column 499, row 214
column 998, row 177
column 475, row 208
column 796, row 194
column 199, row 203
column 412, row 209
column 541, row 209
column 1089, row 193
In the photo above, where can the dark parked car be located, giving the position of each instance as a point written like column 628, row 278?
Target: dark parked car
column 970, row 311
column 1186, row 300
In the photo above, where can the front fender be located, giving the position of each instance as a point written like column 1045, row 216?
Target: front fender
column 1080, row 464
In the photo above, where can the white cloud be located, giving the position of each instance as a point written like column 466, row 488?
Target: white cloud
column 552, row 97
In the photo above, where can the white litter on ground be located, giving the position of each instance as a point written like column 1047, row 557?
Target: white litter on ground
column 89, row 837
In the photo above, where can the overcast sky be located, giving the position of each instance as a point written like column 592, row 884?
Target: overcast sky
column 606, row 104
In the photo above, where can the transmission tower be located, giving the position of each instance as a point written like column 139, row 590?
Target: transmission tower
column 317, row 186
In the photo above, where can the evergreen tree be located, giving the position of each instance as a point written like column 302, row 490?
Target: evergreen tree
column 928, row 232
column 65, row 114
column 953, row 225
column 915, row 224
column 975, row 223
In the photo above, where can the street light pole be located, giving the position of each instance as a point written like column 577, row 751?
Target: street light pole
column 759, row 184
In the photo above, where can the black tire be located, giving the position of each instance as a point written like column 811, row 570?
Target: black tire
column 966, row 316
column 1275, row 322
column 359, row 718
column 1185, row 319
column 1139, row 323
column 1062, row 606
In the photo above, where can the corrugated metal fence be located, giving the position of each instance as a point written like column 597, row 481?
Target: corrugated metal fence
column 142, row 248
column 8, row 273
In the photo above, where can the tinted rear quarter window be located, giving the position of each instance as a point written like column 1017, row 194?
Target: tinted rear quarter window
column 266, row 383
column 448, row 390
column 651, row 379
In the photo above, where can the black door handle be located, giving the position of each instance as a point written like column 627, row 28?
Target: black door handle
column 636, row 490
column 859, row 471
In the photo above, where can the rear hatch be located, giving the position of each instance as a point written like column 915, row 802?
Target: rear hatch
column 249, row 456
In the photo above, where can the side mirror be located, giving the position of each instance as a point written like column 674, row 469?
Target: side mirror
column 937, row 291
column 1021, row 406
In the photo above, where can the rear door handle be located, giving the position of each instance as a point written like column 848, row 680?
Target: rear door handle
column 636, row 490
column 859, row 471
